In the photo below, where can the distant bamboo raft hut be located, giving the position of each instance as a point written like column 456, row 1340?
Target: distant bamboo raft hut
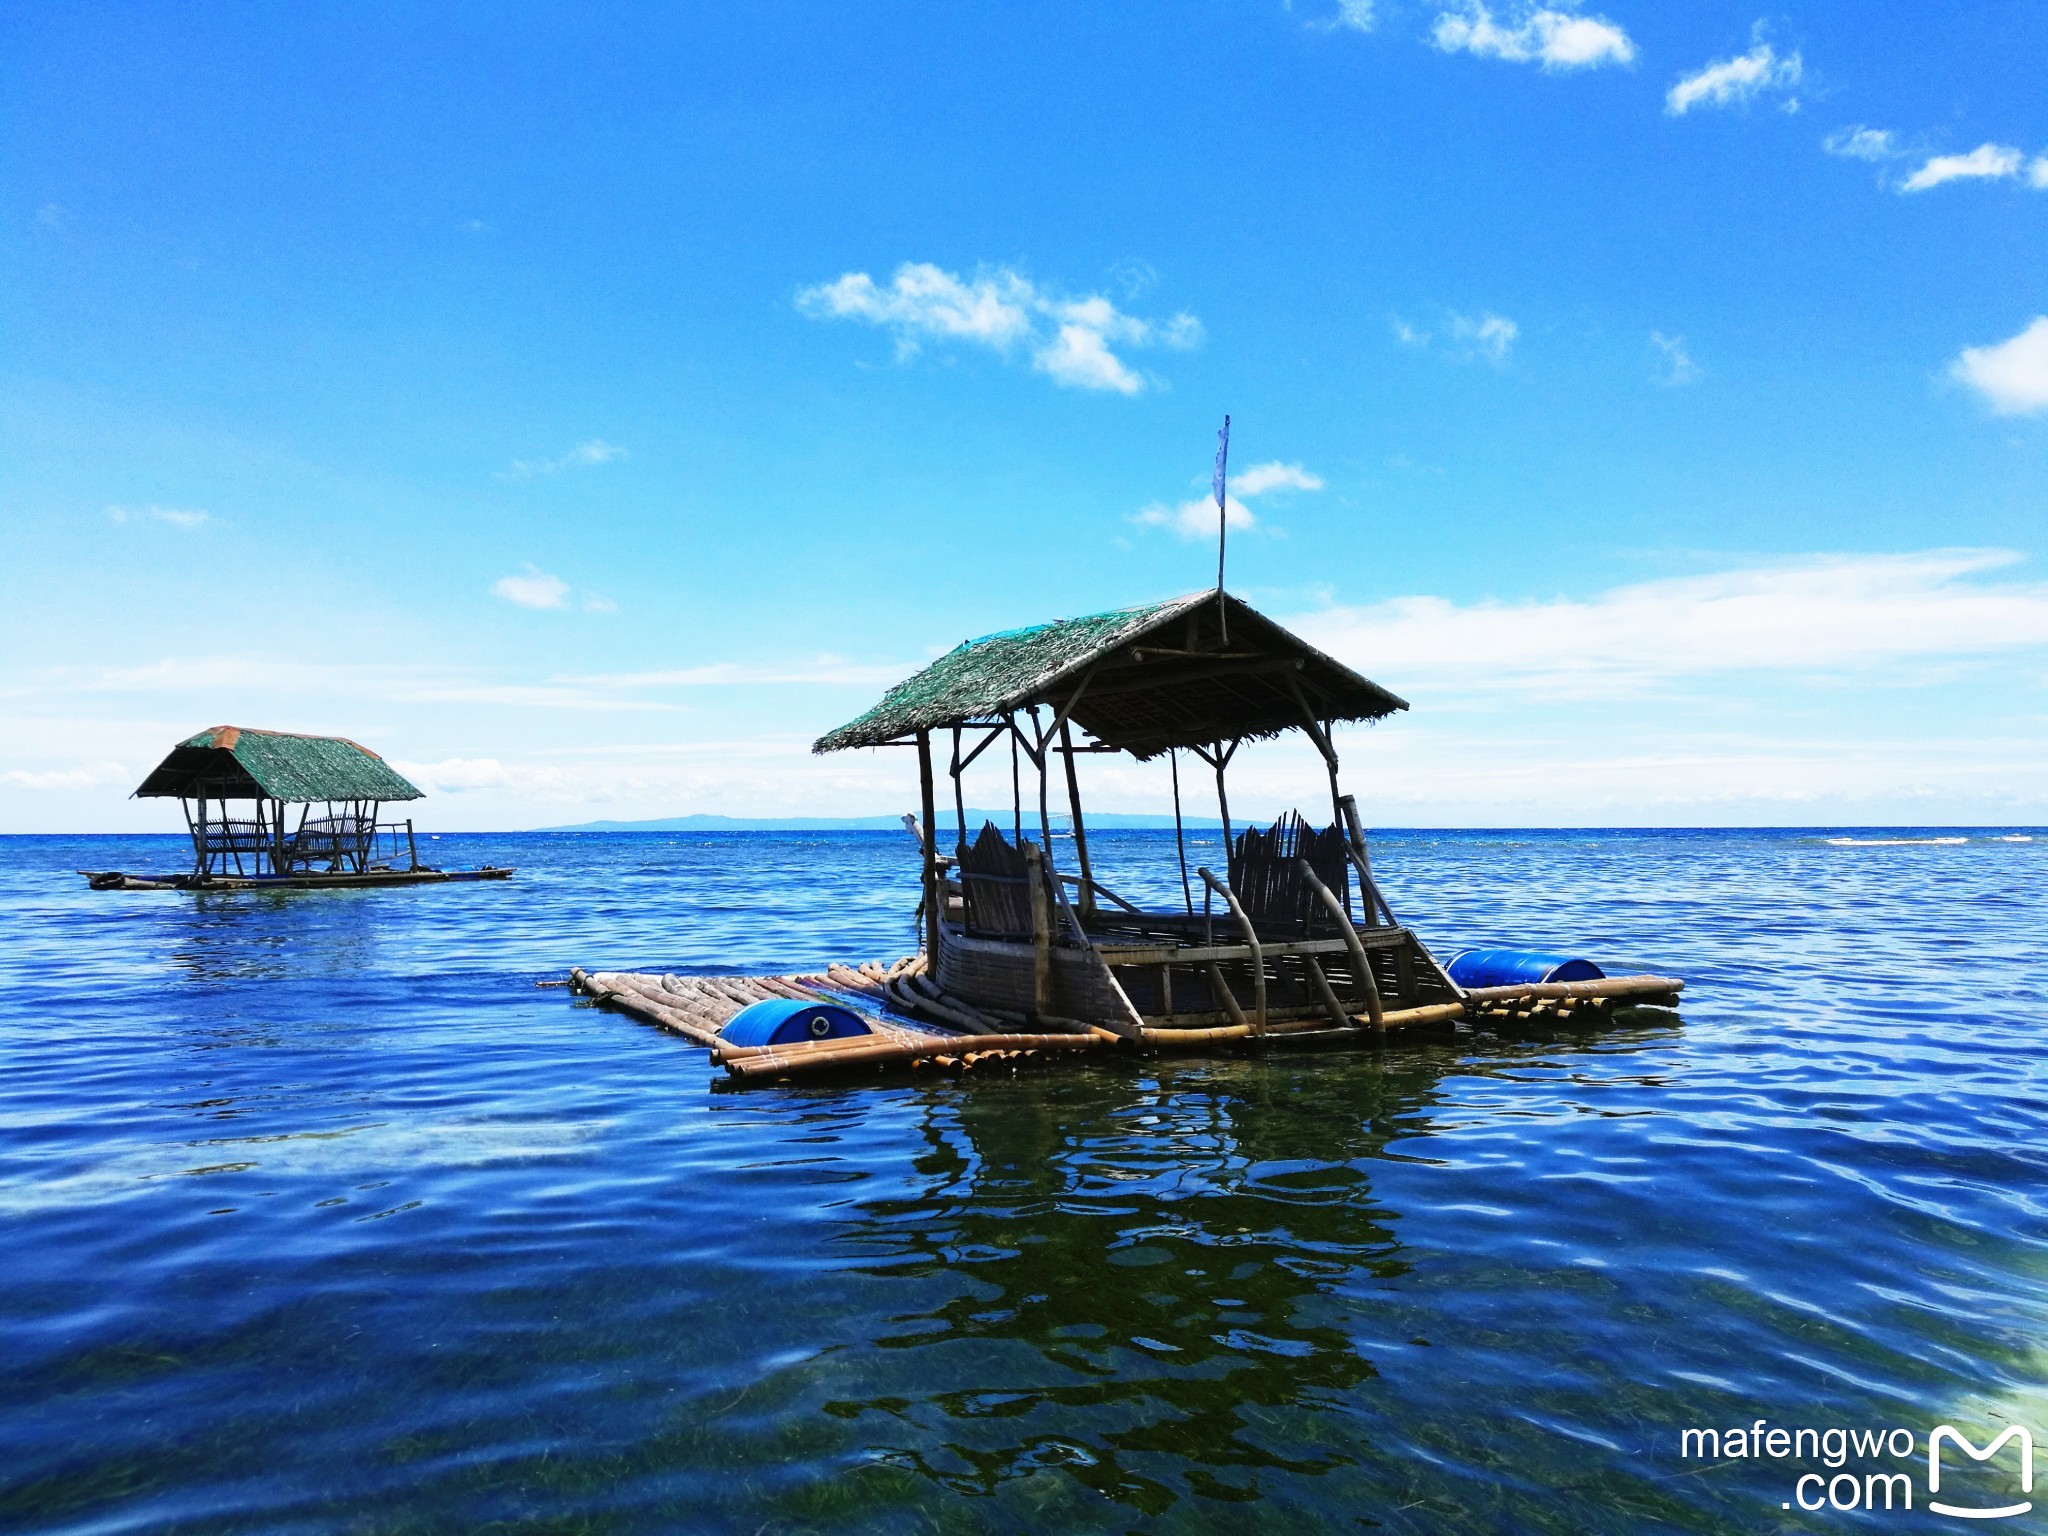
column 239, row 789
column 1292, row 942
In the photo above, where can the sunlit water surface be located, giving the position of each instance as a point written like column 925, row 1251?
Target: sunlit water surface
column 320, row 1216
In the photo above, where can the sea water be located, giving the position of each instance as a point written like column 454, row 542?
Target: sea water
column 320, row 1213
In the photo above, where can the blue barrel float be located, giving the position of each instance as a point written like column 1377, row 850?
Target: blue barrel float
column 785, row 1021
column 1512, row 968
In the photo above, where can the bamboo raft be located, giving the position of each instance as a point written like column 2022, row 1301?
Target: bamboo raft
column 917, row 1024
column 1291, row 943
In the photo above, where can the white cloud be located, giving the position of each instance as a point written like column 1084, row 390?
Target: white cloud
column 1488, row 335
column 1679, row 368
column 1257, row 479
column 1069, row 339
column 2013, row 375
column 535, row 589
column 182, row 518
column 1351, row 16
column 2037, row 172
column 455, row 774
column 1861, row 143
column 1196, row 519
column 1736, row 81
column 1079, row 355
column 1987, row 162
column 584, row 455
column 1557, row 39
column 1813, row 616
column 77, row 776
column 1409, row 335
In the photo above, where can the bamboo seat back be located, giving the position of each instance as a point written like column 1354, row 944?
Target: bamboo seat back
column 995, row 886
column 1268, row 882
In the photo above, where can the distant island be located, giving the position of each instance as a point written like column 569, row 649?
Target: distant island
column 1107, row 820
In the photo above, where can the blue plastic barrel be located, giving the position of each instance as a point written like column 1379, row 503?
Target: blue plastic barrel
column 785, row 1021
column 1516, row 967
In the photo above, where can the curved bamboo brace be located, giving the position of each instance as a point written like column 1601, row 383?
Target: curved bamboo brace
column 1374, row 1009
column 1429, row 1013
column 1251, row 939
column 1132, row 1025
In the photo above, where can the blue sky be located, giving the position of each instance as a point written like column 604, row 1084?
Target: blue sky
column 587, row 410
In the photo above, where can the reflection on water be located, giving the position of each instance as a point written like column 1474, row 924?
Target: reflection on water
column 324, row 1217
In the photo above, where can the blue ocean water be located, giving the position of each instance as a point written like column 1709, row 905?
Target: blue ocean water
column 321, row 1216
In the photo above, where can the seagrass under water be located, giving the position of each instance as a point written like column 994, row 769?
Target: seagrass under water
column 323, row 1217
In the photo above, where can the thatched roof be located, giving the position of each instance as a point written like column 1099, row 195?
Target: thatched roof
column 1150, row 678
column 231, row 763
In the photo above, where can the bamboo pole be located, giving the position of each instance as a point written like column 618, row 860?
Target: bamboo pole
column 1612, row 986
column 1434, row 1013
column 932, row 894
column 1074, row 810
column 1251, row 939
column 1223, row 800
column 1016, row 788
column 1180, row 841
column 605, row 989
column 959, row 792
column 1220, row 985
column 1373, row 1007
column 896, row 1052
column 1041, row 930
column 1132, row 1025
column 1321, row 982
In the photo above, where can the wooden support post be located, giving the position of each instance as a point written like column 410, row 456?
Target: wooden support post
column 1369, row 890
column 1016, row 787
column 1251, row 940
column 1041, row 931
column 1222, row 761
column 1044, row 815
column 412, row 848
column 932, row 893
column 1180, row 841
column 1080, row 830
column 1374, row 1009
column 959, row 793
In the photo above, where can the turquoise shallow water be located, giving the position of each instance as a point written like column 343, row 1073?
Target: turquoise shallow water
column 320, row 1216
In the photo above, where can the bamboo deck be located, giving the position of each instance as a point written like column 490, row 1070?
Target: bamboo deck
column 918, row 1025
column 117, row 880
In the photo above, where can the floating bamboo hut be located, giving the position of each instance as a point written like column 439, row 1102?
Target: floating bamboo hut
column 271, row 808
column 1292, row 942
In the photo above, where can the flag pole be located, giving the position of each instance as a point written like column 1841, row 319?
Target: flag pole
column 1219, row 482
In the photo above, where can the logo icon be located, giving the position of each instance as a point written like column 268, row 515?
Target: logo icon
column 2017, row 1432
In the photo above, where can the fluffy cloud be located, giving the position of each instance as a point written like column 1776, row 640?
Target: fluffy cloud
column 1196, row 519
column 181, row 518
column 1987, row 162
column 1736, row 81
column 1489, row 335
column 1069, row 339
column 1556, row 39
column 1817, row 615
column 1861, row 143
column 2013, row 375
column 535, row 589
column 1485, row 335
column 1678, row 366
column 1352, row 16
column 455, row 774
column 584, row 455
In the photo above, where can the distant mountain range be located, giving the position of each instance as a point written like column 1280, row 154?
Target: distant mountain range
column 1107, row 820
